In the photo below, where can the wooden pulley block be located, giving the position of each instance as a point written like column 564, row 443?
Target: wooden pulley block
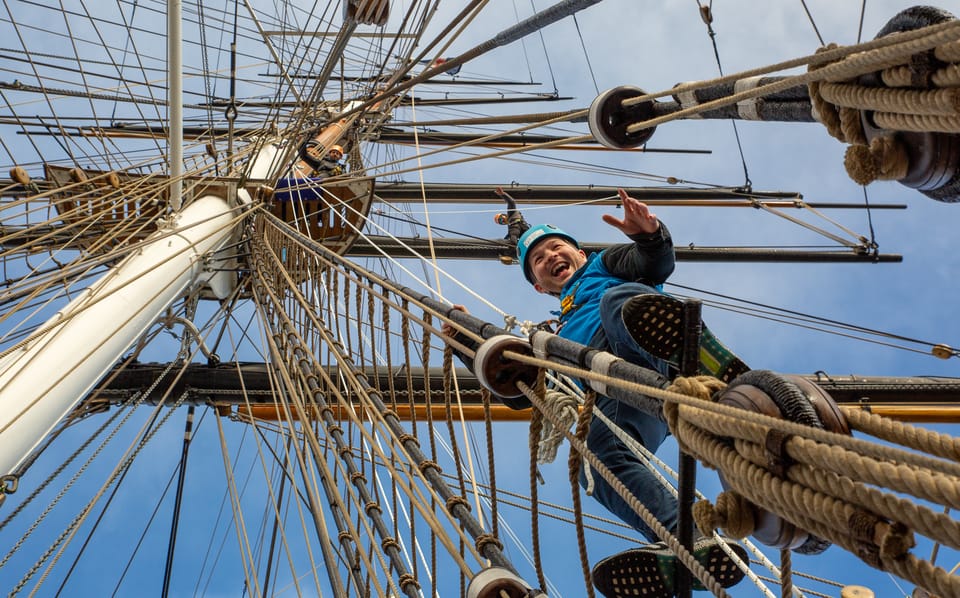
column 856, row 592
column 78, row 175
column 498, row 582
column 264, row 192
column 110, row 179
column 19, row 175
column 609, row 118
column 499, row 374
column 798, row 400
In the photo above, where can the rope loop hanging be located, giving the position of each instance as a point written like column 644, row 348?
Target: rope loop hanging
column 902, row 120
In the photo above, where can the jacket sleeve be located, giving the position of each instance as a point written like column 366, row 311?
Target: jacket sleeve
column 650, row 259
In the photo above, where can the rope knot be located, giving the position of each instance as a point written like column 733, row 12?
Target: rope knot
column 698, row 387
column 484, row 540
column 408, row 581
column 884, row 159
column 455, row 501
column 897, row 541
column 734, row 513
column 827, row 112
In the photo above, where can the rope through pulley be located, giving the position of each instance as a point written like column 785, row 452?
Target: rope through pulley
column 896, row 100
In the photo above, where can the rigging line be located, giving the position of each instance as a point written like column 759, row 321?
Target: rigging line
column 523, row 44
column 249, row 477
column 419, row 28
column 83, row 74
column 143, row 534
column 34, row 70
column 796, row 323
column 423, row 198
column 806, row 316
column 811, row 227
column 243, row 542
column 424, row 477
column 403, row 217
column 362, row 234
column 220, row 512
column 148, row 431
column 417, row 545
column 273, row 52
column 205, row 66
column 178, row 500
column 869, row 211
column 283, row 320
column 287, row 474
column 586, row 56
column 124, row 53
column 311, row 490
column 546, row 55
column 813, row 23
column 706, row 15
column 863, row 12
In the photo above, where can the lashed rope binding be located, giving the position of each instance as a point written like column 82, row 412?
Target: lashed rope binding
column 909, row 105
column 824, row 486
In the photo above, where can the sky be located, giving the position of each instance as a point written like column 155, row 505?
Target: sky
column 654, row 46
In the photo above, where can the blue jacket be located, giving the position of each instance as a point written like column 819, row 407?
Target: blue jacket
column 649, row 259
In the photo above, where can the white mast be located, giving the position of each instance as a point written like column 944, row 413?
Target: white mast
column 56, row 367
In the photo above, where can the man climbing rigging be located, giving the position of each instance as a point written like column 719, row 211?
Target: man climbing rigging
column 612, row 301
column 325, row 166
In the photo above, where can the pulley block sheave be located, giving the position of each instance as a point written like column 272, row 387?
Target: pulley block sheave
column 499, row 374
column 933, row 157
column 798, row 400
column 609, row 118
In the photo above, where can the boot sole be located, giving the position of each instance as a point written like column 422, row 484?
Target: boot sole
column 648, row 572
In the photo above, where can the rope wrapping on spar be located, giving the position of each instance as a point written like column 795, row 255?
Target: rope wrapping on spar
column 848, row 498
column 900, row 119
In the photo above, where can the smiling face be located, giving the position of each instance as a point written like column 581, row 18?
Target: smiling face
column 552, row 262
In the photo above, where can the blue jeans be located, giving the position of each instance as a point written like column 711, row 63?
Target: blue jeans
column 647, row 429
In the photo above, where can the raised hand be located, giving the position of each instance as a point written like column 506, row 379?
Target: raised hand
column 637, row 217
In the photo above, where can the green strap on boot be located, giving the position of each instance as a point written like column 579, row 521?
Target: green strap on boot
column 656, row 323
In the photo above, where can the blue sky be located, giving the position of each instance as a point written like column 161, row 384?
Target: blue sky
column 654, row 46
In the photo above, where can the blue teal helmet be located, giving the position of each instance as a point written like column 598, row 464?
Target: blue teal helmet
column 534, row 235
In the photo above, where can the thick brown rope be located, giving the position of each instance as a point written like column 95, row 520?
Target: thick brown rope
column 786, row 574
column 682, row 554
column 536, row 425
column 835, row 506
column 919, row 97
column 574, row 463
